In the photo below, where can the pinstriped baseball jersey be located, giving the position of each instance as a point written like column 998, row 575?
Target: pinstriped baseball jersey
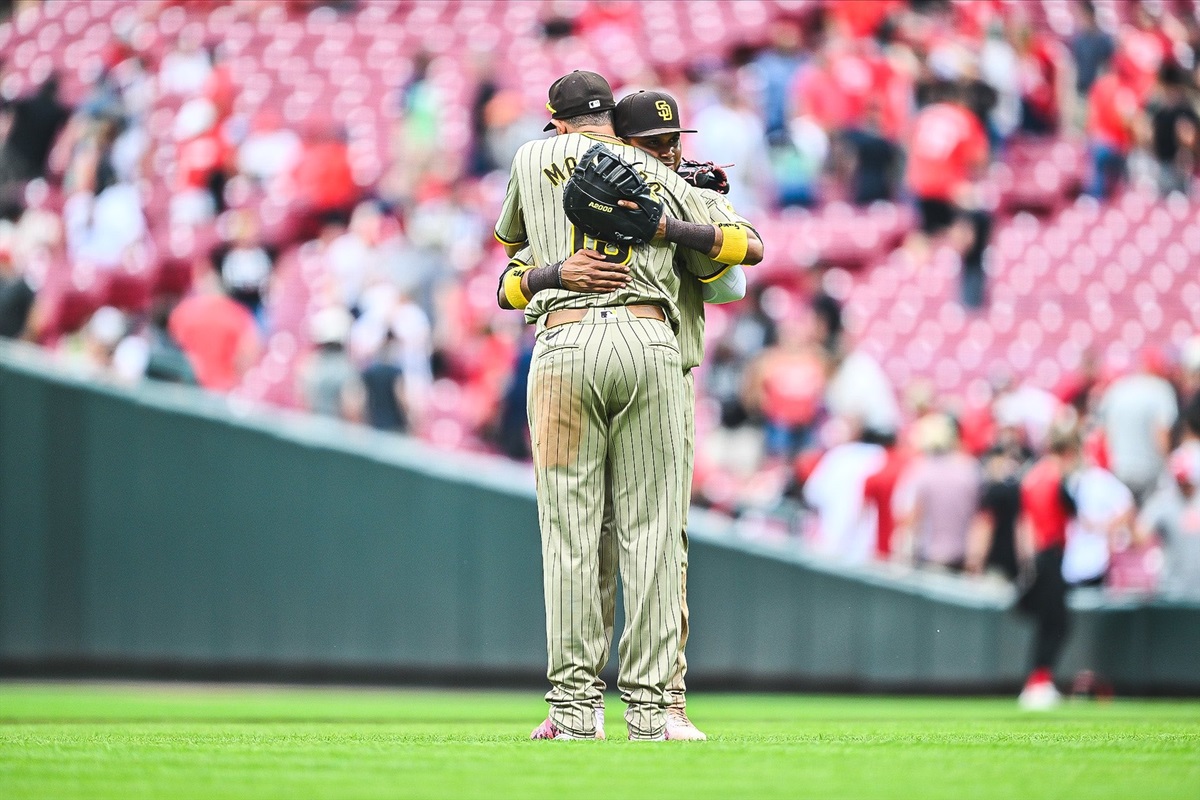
column 691, row 302
column 533, row 213
column 690, row 299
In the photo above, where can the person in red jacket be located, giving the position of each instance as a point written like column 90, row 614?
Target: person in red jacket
column 1046, row 508
column 947, row 157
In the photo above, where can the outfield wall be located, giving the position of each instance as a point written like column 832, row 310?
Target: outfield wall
column 162, row 531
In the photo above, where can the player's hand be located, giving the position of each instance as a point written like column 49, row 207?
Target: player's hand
column 588, row 271
column 659, row 234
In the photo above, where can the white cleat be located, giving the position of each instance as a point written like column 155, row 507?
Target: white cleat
column 1039, row 697
column 681, row 729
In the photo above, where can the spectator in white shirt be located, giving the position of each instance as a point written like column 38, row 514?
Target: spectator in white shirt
column 1103, row 521
column 845, row 530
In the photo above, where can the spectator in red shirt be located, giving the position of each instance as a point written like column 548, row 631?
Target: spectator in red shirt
column 322, row 181
column 1046, row 508
column 948, row 147
column 947, row 154
column 879, row 490
column 1112, row 107
column 218, row 334
column 785, row 383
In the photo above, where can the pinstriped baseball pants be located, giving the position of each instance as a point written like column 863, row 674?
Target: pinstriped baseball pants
column 607, row 403
column 676, row 686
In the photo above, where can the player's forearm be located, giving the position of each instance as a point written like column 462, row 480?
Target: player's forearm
column 728, row 244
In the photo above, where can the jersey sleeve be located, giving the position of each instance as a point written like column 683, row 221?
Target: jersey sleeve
column 510, row 227
column 522, row 258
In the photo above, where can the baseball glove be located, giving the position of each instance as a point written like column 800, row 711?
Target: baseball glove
column 601, row 178
column 704, row 175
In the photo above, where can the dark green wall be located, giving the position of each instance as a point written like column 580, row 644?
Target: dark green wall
column 158, row 527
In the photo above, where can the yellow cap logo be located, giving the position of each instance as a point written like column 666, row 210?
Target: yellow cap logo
column 664, row 109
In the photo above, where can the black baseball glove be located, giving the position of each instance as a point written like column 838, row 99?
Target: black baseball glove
column 704, row 175
column 602, row 178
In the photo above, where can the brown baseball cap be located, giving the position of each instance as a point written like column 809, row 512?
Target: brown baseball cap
column 579, row 92
column 647, row 114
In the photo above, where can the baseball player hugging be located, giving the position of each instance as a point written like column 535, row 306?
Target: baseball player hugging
column 612, row 256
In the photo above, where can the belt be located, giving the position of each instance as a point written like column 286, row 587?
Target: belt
column 569, row 315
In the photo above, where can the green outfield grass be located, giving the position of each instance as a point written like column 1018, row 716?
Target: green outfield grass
column 171, row 742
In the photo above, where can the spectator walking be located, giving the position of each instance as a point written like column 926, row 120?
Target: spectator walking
column 152, row 352
column 1112, row 109
column 1174, row 131
column 1091, row 47
column 1046, row 508
column 947, row 153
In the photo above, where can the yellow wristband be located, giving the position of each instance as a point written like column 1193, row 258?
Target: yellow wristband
column 734, row 244
column 512, row 288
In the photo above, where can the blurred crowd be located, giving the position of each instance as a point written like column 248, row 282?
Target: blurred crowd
column 1107, row 463
column 284, row 269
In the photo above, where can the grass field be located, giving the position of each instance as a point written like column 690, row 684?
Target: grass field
column 175, row 742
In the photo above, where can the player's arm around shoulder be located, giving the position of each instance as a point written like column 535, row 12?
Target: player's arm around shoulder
column 510, row 293
column 722, row 282
column 711, row 227
column 722, row 214
column 586, row 271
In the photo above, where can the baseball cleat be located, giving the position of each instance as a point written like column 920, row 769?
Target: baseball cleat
column 599, row 722
column 548, row 730
column 1040, row 696
column 680, row 728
